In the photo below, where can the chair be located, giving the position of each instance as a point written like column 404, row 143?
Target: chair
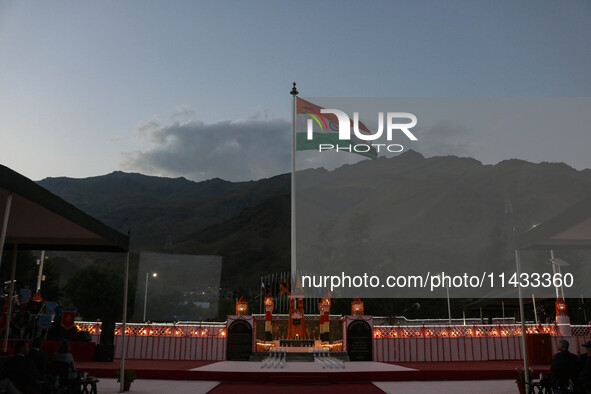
column 61, row 371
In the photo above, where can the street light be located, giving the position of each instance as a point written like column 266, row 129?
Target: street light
column 556, row 264
column 448, row 303
column 154, row 275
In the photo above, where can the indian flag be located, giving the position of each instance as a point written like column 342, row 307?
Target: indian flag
column 325, row 129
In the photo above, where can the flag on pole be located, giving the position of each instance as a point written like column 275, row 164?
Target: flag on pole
column 325, row 129
column 25, row 295
column 68, row 319
column 44, row 321
column 50, row 307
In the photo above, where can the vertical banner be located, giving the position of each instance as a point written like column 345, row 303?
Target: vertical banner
column 45, row 321
column 50, row 307
column 68, row 318
column 25, row 295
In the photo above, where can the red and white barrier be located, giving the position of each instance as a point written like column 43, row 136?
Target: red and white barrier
column 447, row 349
column 204, row 341
column 207, row 341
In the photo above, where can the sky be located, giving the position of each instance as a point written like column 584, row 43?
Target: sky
column 201, row 89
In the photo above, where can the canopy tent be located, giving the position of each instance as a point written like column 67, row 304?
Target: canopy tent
column 570, row 229
column 40, row 220
column 33, row 218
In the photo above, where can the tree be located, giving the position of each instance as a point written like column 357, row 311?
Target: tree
column 97, row 291
column 27, row 272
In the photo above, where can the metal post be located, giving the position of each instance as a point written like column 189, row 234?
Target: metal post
column 522, row 316
column 10, row 296
column 294, row 93
column 448, row 305
column 40, row 270
column 5, row 225
column 146, row 298
column 553, row 270
column 124, row 323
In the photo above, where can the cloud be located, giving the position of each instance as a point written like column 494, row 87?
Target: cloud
column 183, row 111
column 231, row 150
column 142, row 129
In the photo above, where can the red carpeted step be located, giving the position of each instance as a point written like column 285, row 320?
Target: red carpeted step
column 232, row 388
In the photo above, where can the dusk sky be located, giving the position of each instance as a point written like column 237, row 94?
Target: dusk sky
column 201, row 89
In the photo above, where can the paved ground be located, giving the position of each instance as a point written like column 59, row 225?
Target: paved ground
column 451, row 387
column 144, row 386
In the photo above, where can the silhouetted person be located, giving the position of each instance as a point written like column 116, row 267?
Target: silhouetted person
column 21, row 371
column 8, row 387
column 565, row 366
column 583, row 384
column 38, row 356
column 64, row 355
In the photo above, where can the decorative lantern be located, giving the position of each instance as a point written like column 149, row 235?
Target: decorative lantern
column 269, row 303
column 268, row 318
column 357, row 307
column 37, row 297
column 561, row 309
column 242, row 307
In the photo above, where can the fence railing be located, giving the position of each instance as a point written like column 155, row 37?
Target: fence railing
column 480, row 330
column 160, row 329
column 392, row 343
column 383, row 331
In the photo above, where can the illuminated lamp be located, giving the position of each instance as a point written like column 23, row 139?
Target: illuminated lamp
column 37, row 297
column 357, row 307
column 561, row 309
column 242, row 307
column 269, row 303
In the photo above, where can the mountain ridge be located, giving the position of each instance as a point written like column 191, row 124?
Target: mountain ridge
column 434, row 200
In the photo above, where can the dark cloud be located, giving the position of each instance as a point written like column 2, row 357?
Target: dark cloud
column 232, row 150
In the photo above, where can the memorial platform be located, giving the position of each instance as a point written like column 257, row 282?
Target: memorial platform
column 311, row 373
column 294, row 355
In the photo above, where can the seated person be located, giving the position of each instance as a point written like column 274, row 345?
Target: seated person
column 21, row 371
column 583, row 383
column 8, row 387
column 64, row 355
column 38, row 356
column 564, row 366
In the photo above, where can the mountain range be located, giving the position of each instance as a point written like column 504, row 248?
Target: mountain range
column 437, row 206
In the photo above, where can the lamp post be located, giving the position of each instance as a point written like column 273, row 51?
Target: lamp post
column 448, row 302
column 556, row 264
column 448, row 305
column 154, row 275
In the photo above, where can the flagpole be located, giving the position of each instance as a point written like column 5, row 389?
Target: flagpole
column 294, row 93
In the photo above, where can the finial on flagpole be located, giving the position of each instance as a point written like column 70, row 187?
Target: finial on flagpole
column 294, row 91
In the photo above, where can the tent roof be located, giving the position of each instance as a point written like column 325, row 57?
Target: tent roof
column 40, row 220
column 569, row 229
